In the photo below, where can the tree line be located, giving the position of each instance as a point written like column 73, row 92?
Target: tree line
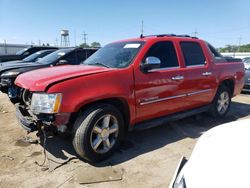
column 92, row 45
column 235, row 48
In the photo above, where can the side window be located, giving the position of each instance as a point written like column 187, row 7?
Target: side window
column 72, row 58
column 214, row 51
column 193, row 53
column 89, row 53
column 81, row 55
column 165, row 51
column 33, row 50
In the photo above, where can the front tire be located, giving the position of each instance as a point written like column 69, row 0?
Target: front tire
column 98, row 132
column 221, row 103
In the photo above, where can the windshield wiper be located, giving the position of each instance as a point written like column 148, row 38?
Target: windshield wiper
column 102, row 64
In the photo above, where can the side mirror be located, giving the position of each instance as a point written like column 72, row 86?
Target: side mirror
column 38, row 59
column 62, row 62
column 26, row 54
column 151, row 63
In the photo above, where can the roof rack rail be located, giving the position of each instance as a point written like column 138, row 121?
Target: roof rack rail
column 168, row 35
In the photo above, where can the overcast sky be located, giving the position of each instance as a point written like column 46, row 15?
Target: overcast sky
column 220, row 22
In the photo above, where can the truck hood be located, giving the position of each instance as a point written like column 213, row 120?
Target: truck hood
column 39, row 80
column 16, row 65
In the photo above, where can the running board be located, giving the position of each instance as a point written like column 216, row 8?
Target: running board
column 165, row 119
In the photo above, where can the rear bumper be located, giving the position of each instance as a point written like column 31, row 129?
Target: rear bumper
column 24, row 120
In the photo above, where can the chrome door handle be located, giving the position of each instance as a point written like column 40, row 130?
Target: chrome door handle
column 177, row 78
column 206, row 73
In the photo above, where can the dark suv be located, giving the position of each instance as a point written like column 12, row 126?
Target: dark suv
column 24, row 53
column 9, row 71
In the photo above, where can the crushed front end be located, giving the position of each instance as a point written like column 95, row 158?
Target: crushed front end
column 39, row 111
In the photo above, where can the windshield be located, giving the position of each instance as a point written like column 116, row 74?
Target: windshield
column 21, row 51
column 115, row 55
column 32, row 57
column 51, row 58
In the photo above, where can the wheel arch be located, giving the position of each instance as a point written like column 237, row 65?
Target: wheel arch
column 120, row 103
column 229, row 83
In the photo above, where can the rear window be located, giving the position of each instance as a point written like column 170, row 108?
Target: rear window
column 215, row 53
column 192, row 53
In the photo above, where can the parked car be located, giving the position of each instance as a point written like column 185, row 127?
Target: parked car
column 219, row 159
column 31, row 58
column 24, row 53
column 246, row 87
column 245, row 59
column 9, row 71
column 247, row 64
column 130, row 84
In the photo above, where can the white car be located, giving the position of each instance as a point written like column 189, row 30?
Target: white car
column 220, row 159
column 247, row 64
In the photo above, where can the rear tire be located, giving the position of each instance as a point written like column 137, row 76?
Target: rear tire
column 221, row 103
column 98, row 132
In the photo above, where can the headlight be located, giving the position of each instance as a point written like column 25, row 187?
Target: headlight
column 46, row 103
column 11, row 73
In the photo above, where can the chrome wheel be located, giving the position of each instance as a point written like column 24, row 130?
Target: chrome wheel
column 223, row 102
column 104, row 134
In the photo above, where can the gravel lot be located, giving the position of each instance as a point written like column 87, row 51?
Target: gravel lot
column 147, row 159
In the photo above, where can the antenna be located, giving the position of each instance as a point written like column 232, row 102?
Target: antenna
column 195, row 33
column 142, row 28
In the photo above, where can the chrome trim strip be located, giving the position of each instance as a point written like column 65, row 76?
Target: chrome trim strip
column 159, row 69
column 198, row 92
column 163, row 99
column 174, row 97
column 199, row 65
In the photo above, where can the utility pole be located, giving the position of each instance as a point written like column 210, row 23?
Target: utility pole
column 56, row 44
column 142, row 28
column 239, row 43
column 75, row 37
column 5, row 47
column 85, row 37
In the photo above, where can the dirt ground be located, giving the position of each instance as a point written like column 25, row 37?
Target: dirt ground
column 146, row 159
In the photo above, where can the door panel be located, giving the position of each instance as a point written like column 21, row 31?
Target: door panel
column 199, row 87
column 200, row 83
column 158, row 94
column 160, row 91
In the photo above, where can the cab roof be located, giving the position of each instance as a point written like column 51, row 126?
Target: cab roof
column 153, row 37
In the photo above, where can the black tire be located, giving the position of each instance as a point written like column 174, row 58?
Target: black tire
column 214, row 111
column 84, row 127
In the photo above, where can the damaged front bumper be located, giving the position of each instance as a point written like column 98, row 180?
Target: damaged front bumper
column 31, row 122
column 25, row 120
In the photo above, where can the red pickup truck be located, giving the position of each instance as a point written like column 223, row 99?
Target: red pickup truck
column 126, row 85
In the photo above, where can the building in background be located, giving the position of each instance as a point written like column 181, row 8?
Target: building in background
column 8, row 49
